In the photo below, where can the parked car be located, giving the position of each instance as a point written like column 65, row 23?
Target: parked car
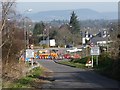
column 74, row 50
column 76, row 56
column 69, row 46
column 67, row 56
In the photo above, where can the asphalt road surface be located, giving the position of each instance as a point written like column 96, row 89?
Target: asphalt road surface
column 74, row 78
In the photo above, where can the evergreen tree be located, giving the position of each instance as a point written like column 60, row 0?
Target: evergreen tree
column 38, row 29
column 74, row 23
column 38, row 32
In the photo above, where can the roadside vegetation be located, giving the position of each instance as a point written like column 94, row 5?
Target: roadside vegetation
column 12, row 45
column 72, row 64
column 78, row 63
column 29, row 81
column 108, row 66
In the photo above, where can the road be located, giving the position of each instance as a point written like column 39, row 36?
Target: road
column 69, row 77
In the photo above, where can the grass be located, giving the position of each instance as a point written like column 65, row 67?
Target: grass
column 72, row 64
column 27, row 82
column 78, row 63
column 82, row 60
column 104, row 63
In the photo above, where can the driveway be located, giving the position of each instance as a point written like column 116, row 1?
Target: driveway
column 70, row 77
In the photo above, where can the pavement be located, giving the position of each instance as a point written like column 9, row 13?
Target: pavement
column 66, row 77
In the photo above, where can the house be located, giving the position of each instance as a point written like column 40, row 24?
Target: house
column 100, row 41
column 101, row 37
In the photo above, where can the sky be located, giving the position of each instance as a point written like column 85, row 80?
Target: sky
column 67, row 0
column 48, row 6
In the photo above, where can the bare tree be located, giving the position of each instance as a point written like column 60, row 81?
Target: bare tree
column 7, row 10
column 7, row 24
column 114, row 36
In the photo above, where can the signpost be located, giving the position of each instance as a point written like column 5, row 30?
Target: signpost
column 95, row 51
column 30, row 54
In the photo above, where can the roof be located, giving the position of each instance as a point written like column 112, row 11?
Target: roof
column 44, row 42
column 94, row 40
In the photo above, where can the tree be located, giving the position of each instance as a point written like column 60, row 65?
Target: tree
column 38, row 29
column 7, row 29
column 74, row 23
column 6, row 12
column 38, row 32
column 53, row 33
column 12, row 41
column 114, row 36
column 118, row 37
column 74, row 27
column 116, row 45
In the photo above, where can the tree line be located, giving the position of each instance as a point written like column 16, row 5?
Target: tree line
column 63, row 34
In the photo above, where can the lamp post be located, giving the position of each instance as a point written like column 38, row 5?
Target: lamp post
column 43, row 37
column 72, row 37
column 25, row 29
column 27, row 36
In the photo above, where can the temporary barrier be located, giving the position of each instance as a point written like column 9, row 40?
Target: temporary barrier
column 48, row 56
column 45, row 54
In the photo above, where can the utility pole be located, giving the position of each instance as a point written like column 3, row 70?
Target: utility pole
column 43, row 38
column 49, row 35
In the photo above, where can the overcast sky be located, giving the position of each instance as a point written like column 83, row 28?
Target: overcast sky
column 47, row 6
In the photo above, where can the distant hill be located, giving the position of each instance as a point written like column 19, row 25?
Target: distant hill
column 83, row 14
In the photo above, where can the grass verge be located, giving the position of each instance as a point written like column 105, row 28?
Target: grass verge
column 28, row 81
column 72, row 64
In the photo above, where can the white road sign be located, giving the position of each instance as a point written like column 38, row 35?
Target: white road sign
column 29, row 53
column 52, row 42
column 95, row 51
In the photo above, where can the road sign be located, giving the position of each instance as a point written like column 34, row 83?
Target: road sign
column 95, row 50
column 31, row 46
column 52, row 42
column 29, row 53
column 91, row 44
column 89, row 63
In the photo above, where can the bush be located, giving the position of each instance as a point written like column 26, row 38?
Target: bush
column 105, row 61
column 105, row 64
column 83, row 60
column 108, row 66
column 116, row 69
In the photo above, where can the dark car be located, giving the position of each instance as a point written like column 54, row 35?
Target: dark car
column 69, row 46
